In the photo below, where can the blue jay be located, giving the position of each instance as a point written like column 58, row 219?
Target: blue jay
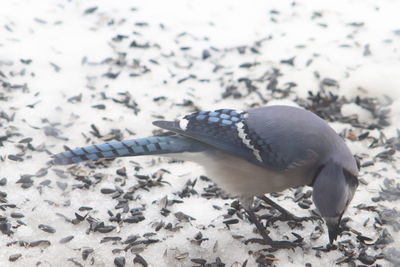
column 251, row 153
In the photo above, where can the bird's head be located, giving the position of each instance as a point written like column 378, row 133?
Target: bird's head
column 334, row 188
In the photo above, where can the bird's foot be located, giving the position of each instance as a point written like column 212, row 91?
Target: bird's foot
column 273, row 244
column 266, row 240
column 285, row 215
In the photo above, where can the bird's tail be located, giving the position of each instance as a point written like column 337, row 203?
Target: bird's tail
column 134, row 147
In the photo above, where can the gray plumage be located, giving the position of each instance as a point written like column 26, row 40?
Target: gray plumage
column 251, row 153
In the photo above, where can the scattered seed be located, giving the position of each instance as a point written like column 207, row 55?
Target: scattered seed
column 75, row 262
column 3, row 181
column 86, row 252
column 25, row 140
column 199, row 261
column 122, row 172
column 15, row 158
column 47, row 228
column 14, row 257
column 140, row 260
column 66, row 239
column 303, row 205
column 44, row 243
column 105, row 229
column 107, row 191
column 182, row 256
column 55, row 67
column 329, row 82
column 134, row 219
column 183, row 217
column 99, row 106
column 62, row 185
column 90, row 10
column 231, row 221
column 110, row 238
column 119, row 261
column 17, row 215
column 366, row 259
column 3, row 194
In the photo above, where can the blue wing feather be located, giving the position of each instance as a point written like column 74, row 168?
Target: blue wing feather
column 217, row 128
column 264, row 143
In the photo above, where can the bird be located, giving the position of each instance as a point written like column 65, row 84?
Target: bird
column 251, row 153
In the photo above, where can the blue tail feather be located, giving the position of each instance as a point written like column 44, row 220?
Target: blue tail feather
column 134, row 147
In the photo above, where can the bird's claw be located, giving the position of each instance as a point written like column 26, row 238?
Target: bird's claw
column 274, row 244
column 291, row 217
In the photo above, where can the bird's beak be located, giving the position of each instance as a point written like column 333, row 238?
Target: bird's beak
column 333, row 227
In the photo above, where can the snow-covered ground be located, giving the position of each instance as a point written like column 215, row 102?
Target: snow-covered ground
column 81, row 72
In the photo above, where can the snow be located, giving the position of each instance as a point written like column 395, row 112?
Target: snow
column 319, row 34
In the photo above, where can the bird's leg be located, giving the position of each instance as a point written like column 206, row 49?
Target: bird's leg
column 266, row 240
column 261, row 229
column 285, row 214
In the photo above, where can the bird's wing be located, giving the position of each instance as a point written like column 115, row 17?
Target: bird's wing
column 232, row 131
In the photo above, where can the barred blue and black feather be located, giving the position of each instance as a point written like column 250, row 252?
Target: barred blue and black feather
column 220, row 117
column 224, row 129
column 126, row 148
